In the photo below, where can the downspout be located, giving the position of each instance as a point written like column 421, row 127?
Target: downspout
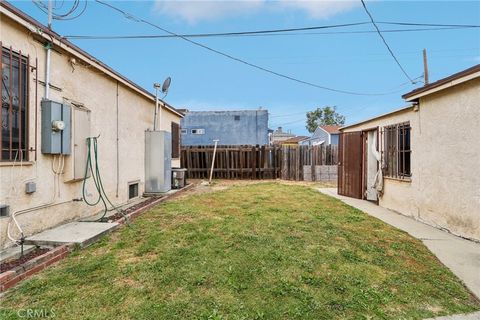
column 36, row 107
column 118, row 148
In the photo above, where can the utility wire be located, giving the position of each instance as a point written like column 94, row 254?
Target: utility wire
column 63, row 16
column 261, row 31
column 271, row 115
column 249, row 34
column 385, row 42
column 281, row 75
column 428, row 24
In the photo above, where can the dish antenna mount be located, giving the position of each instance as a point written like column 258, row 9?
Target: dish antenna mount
column 166, row 85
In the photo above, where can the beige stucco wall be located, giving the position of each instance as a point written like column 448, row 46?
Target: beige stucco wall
column 86, row 85
column 448, row 182
column 444, row 190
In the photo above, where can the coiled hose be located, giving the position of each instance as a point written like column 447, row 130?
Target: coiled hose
column 97, row 181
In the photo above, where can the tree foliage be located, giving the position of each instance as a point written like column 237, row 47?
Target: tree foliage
column 326, row 116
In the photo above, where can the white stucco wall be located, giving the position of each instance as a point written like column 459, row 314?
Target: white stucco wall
column 448, row 182
column 93, row 89
column 444, row 190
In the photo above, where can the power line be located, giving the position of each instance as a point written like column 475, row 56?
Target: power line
column 385, row 42
column 62, row 16
column 269, row 33
column 208, row 35
column 278, row 74
column 272, row 31
column 428, row 24
column 286, row 115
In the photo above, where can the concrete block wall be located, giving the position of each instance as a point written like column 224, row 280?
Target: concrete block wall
column 322, row 173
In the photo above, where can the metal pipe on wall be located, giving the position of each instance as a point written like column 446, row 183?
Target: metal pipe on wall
column 48, row 47
column 156, row 86
column 118, row 151
column 160, row 116
column 36, row 107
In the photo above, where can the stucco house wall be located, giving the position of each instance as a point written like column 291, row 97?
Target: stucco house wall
column 444, row 190
column 86, row 84
column 449, row 185
column 243, row 127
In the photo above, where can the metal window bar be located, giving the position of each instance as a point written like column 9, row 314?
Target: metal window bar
column 14, row 105
column 405, row 150
column 397, row 150
column 1, row 103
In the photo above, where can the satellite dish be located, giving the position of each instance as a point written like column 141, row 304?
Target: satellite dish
column 166, row 84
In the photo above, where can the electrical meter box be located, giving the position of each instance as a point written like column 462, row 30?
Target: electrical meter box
column 56, row 127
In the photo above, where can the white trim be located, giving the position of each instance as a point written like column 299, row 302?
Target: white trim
column 378, row 117
column 445, row 86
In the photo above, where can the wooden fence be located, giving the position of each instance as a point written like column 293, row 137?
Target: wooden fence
column 256, row 162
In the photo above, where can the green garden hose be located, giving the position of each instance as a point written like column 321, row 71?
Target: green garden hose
column 97, row 181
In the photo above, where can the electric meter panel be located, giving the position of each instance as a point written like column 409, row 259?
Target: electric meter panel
column 56, row 127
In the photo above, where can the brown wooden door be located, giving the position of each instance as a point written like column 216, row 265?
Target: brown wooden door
column 350, row 164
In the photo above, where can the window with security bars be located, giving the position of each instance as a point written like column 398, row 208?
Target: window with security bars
column 397, row 151
column 175, row 140
column 13, row 118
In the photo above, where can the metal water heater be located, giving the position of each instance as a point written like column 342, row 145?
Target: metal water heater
column 158, row 162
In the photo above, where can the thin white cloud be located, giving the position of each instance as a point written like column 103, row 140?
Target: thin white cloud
column 319, row 9
column 193, row 11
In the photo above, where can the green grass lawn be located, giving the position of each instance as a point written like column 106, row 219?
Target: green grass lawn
column 263, row 251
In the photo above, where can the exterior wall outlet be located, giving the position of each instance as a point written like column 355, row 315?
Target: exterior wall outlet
column 30, row 187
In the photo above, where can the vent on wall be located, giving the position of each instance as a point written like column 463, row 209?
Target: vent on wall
column 237, row 118
column 4, row 210
column 132, row 190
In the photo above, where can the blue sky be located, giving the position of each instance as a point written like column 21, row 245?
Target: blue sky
column 202, row 80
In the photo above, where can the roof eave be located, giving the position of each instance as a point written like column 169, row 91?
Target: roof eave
column 445, row 83
column 42, row 31
column 407, row 108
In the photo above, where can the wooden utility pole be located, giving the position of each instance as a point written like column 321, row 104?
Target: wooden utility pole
column 425, row 66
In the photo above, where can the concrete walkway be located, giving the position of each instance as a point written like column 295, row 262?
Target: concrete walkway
column 461, row 256
column 470, row 316
column 80, row 233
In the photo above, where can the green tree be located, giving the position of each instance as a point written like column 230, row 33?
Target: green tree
column 326, row 116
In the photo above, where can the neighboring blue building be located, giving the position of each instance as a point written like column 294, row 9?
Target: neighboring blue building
column 243, row 127
column 323, row 135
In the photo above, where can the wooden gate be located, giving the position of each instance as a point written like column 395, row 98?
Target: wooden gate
column 350, row 164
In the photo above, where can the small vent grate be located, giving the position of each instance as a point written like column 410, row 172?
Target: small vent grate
column 132, row 190
column 4, row 210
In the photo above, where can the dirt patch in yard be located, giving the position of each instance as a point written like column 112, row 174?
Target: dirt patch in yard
column 21, row 260
column 123, row 213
